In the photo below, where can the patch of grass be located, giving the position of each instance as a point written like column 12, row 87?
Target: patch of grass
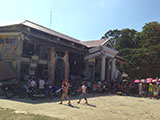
column 8, row 114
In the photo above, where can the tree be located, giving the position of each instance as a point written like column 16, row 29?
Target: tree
column 140, row 49
column 121, row 38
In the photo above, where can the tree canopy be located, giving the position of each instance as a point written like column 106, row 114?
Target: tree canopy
column 140, row 49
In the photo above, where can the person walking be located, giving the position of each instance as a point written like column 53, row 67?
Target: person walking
column 84, row 92
column 65, row 87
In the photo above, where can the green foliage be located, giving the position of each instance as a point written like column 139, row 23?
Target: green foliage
column 150, row 34
column 140, row 49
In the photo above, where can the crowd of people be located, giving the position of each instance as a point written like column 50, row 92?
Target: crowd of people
column 100, row 86
column 36, row 83
column 149, row 87
column 41, row 85
column 143, row 88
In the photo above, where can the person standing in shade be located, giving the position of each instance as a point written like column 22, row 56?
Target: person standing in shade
column 150, row 90
column 41, row 85
column 33, row 83
column 65, row 87
column 84, row 92
column 158, row 96
column 29, row 82
column 140, row 90
column 99, row 84
column 155, row 90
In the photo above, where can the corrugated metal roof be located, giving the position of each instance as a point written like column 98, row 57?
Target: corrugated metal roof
column 49, row 31
column 94, row 43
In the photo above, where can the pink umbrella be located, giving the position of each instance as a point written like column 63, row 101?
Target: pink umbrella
column 149, row 79
column 137, row 81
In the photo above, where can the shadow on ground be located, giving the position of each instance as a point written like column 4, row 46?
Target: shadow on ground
column 47, row 100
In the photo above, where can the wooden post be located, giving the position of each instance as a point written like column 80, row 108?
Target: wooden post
column 52, row 67
column 19, row 53
column 66, row 74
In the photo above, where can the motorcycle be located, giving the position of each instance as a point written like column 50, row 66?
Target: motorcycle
column 13, row 90
column 53, row 92
column 49, row 92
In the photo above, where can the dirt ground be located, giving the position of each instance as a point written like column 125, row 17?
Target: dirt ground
column 99, row 108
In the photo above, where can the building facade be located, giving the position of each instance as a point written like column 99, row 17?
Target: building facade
column 33, row 50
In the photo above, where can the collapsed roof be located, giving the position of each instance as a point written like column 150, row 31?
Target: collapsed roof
column 6, row 73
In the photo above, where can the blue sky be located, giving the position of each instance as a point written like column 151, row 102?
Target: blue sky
column 82, row 19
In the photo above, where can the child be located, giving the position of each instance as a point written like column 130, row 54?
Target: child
column 84, row 92
column 65, row 87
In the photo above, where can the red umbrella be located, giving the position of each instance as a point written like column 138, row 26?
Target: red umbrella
column 137, row 81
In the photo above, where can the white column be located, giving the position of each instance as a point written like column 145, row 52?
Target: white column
column 113, row 69
column 103, row 65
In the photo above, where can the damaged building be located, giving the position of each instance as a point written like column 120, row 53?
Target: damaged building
column 33, row 50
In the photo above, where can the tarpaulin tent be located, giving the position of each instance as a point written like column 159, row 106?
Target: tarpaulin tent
column 6, row 73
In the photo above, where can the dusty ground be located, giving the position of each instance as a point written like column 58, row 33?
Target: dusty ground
column 100, row 108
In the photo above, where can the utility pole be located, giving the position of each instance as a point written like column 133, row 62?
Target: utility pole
column 50, row 19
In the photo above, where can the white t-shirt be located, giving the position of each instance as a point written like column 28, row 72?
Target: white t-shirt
column 140, row 87
column 99, row 84
column 33, row 83
column 41, row 84
column 89, row 84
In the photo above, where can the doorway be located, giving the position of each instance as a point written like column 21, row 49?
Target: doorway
column 59, row 72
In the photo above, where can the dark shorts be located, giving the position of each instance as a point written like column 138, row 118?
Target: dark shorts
column 83, row 95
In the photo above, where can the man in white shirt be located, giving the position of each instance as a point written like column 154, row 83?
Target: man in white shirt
column 99, row 83
column 41, row 85
column 33, row 83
